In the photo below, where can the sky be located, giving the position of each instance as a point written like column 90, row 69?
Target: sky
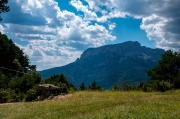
column 54, row 33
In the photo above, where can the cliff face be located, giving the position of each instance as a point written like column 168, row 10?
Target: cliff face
column 110, row 64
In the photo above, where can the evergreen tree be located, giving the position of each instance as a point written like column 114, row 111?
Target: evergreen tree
column 3, row 7
column 12, row 57
column 126, row 86
column 82, row 86
column 165, row 74
column 94, row 86
column 17, row 77
column 61, row 81
column 116, row 87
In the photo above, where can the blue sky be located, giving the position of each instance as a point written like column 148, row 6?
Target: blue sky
column 55, row 32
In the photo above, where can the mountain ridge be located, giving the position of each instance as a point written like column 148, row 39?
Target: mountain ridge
column 110, row 64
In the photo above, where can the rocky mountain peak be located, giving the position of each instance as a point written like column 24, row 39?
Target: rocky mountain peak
column 126, row 49
column 110, row 64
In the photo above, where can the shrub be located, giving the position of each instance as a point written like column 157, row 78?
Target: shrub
column 31, row 94
column 7, row 95
column 127, row 87
column 116, row 87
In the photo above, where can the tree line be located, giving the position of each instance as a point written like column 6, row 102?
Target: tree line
column 162, row 77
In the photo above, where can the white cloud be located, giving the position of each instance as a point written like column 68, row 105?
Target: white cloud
column 160, row 18
column 55, row 37
column 107, row 9
column 112, row 26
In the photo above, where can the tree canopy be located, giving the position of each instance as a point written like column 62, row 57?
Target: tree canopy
column 167, row 72
column 3, row 7
column 12, row 57
column 61, row 81
column 18, row 79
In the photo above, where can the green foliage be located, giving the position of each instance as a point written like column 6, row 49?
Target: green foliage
column 4, row 80
column 161, row 86
column 3, row 7
column 140, row 86
column 94, row 86
column 82, row 86
column 12, row 57
column 17, row 77
column 116, row 87
column 24, row 83
column 127, row 87
column 19, row 88
column 165, row 75
column 61, row 81
column 32, row 93
column 176, row 82
column 9, row 95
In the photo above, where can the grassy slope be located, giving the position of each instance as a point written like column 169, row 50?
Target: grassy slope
column 91, row 105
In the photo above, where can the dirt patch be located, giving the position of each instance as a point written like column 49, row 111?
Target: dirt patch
column 63, row 96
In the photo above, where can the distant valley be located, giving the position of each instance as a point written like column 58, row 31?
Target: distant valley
column 117, row 63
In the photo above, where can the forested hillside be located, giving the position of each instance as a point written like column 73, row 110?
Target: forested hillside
column 12, row 57
column 18, row 78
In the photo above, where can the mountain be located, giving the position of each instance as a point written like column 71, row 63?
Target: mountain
column 110, row 64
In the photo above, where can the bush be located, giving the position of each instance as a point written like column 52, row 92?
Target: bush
column 95, row 87
column 164, row 86
column 127, row 87
column 116, row 87
column 7, row 95
column 160, row 85
column 31, row 94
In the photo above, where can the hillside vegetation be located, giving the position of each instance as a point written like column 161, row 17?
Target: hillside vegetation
column 103, row 104
column 18, row 78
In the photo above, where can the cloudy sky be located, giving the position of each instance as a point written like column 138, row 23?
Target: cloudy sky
column 55, row 32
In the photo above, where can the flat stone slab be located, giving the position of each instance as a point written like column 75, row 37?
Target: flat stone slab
column 48, row 87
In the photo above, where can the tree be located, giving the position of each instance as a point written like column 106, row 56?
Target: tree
column 167, row 70
column 116, row 87
column 12, row 57
column 3, row 7
column 82, row 86
column 18, row 79
column 94, row 86
column 61, row 81
column 126, row 86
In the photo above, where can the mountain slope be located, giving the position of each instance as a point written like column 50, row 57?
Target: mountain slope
column 110, row 64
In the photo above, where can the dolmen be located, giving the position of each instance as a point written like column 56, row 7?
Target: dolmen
column 49, row 91
column 49, row 87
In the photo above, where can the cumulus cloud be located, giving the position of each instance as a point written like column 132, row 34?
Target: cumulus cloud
column 55, row 37
column 112, row 26
column 160, row 18
column 98, row 10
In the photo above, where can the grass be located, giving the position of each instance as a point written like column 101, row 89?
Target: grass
column 99, row 105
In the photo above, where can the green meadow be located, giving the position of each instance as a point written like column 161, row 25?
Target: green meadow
column 99, row 105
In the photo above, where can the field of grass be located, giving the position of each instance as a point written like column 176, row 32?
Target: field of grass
column 99, row 105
